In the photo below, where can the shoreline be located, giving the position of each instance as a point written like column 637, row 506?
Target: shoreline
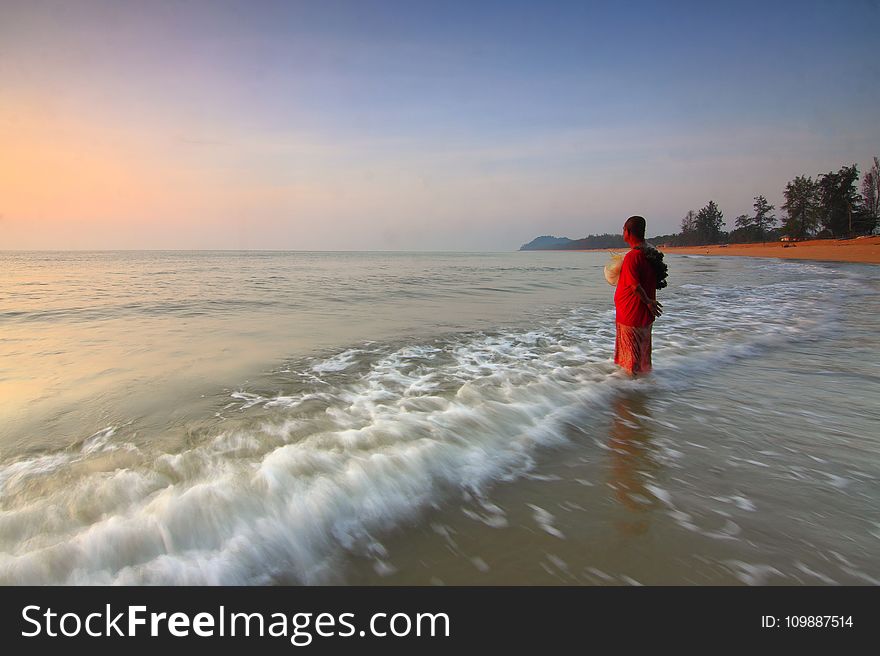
column 865, row 250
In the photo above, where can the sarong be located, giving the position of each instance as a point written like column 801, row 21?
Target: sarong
column 632, row 348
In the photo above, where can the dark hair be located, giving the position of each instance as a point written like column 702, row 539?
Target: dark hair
column 636, row 226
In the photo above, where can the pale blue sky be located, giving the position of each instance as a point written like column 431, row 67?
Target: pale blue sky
column 416, row 125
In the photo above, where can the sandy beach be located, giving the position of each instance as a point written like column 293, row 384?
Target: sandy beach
column 865, row 250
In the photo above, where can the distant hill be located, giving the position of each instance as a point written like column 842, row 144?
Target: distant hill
column 548, row 243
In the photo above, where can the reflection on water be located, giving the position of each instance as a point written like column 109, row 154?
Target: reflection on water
column 631, row 462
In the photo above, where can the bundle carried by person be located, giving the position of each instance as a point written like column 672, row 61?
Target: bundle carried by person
column 655, row 259
column 612, row 269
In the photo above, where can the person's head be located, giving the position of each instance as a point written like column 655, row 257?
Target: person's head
column 634, row 230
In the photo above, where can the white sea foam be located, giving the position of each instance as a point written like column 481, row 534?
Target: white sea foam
column 337, row 363
column 402, row 428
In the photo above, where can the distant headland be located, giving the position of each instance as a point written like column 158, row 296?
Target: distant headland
column 550, row 243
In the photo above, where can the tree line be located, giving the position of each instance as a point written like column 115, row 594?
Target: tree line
column 831, row 206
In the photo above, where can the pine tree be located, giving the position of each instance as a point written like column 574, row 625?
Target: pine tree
column 744, row 231
column 763, row 220
column 840, row 206
column 688, row 227
column 688, row 222
column 871, row 195
column 744, row 222
column 801, row 207
column 710, row 224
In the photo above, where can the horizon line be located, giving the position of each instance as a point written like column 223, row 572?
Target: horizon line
column 231, row 250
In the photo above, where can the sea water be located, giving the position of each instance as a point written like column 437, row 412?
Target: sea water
column 431, row 418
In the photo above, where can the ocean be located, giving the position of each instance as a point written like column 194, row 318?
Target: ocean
column 277, row 418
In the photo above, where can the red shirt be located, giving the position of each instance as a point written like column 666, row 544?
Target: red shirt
column 636, row 270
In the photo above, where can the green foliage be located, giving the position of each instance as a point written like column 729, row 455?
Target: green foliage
column 744, row 222
column 745, row 230
column 831, row 202
column 871, row 195
column 688, row 235
column 667, row 240
column 689, row 222
column 801, row 207
column 697, row 228
column 840, row 205
column 710, row 224
column 607, row 240
column 745, row 233
column 764, row 220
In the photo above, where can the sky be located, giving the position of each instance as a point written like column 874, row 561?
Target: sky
column 415, row 125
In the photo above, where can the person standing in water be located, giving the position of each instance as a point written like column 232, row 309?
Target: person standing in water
column 641, row 274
